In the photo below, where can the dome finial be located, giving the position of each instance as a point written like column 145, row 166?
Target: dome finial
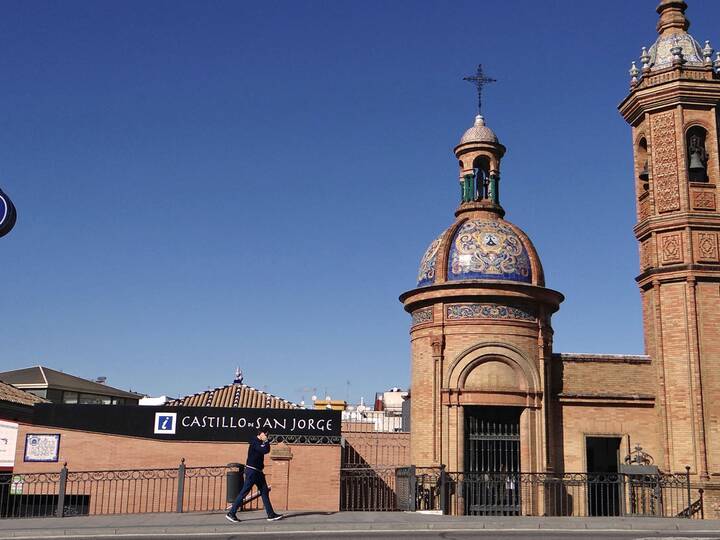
column 672, row 17
column 479, row 80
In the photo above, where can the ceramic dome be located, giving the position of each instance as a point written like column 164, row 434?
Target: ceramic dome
column 479, row 132
column 661, row 55
column 481, row 249
column 426, row 274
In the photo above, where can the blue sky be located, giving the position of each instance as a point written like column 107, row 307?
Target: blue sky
column 202, row 185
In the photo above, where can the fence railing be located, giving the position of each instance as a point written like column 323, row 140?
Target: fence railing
column 71, row 493
column 372, row 489
column 551, row 494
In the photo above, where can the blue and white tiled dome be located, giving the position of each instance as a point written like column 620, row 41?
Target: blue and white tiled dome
column 426, row 274
column 481, row 249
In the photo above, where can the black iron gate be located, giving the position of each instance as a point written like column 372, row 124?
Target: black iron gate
column 492, row 461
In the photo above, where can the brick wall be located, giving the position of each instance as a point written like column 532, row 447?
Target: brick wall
column 376, row 449
column 708, row 300
column 306, row 479
column 596, row 375
column 576, row 421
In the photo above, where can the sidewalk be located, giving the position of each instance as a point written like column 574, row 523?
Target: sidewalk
column 206, row 524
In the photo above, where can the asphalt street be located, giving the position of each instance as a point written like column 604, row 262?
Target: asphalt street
column 353, row 525
column 383, row 535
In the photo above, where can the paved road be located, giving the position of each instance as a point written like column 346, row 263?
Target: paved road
column 354, row 525
column 420, row 535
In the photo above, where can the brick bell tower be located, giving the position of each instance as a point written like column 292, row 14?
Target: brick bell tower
column 481, row 338
column 673, row 110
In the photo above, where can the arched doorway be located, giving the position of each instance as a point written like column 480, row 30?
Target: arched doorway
column 500, row 433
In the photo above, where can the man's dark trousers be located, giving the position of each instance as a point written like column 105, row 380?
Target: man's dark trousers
column 254, row 477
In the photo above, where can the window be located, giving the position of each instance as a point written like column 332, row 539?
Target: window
column 70, row 397
column 90, row 399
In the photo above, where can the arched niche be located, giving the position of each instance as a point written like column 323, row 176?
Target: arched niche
column 643, row 165
column 491, row 374
column 697, row 154
column 481, row 364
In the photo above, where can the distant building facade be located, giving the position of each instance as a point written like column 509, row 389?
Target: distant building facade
column 59, row 387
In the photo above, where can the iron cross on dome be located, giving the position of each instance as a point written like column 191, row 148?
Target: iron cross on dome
column 479, row 80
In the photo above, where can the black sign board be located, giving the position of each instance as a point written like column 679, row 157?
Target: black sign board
column 193, row 423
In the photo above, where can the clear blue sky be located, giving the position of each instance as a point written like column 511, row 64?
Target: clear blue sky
column 202, row 185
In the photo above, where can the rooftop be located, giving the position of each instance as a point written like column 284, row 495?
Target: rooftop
column 11, row 394
column 234, row 395
column 38, row 377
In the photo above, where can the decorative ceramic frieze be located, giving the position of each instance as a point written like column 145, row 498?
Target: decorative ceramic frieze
column 421, row 316
column 487, row 311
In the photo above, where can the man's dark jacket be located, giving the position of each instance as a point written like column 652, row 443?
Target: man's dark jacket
column 256, row 454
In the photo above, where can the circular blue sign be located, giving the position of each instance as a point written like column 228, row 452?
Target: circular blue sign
column 8, row 214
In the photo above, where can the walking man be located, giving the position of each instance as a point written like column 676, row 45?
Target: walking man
column 254, row 476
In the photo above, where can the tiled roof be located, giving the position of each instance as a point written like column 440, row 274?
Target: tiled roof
column 45, row 377
column 233, row 395
column 14, row 395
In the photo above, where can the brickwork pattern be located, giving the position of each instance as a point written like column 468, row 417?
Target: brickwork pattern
column 317, row 465
column 665, row 166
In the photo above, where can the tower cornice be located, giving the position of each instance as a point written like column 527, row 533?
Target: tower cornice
column 677, row 273
column 465, row 290
column 676, row 90
column 676, row 221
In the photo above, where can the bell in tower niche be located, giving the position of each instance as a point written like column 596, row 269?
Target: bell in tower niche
column 645, row 176
column 697, row 168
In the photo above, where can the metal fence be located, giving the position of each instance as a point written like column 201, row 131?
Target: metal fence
column 551, row 494
column 72, row 493
column 369, row 461
column 372, row 489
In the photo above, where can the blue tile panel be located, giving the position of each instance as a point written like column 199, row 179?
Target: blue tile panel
column 488, row 250
column 426, row 274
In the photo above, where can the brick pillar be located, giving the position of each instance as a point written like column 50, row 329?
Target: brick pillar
column 280, row 455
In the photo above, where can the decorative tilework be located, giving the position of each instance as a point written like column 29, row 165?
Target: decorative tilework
column 426, row 274
column 671, row 248
column 707, row 246
column 488, row 250
column 487, row 311
column 422, row 316
column 667, row 191
column 703, row 200
column 661, row 55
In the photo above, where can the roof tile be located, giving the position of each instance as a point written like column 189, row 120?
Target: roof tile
column 234, row 395
column 14, row 395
